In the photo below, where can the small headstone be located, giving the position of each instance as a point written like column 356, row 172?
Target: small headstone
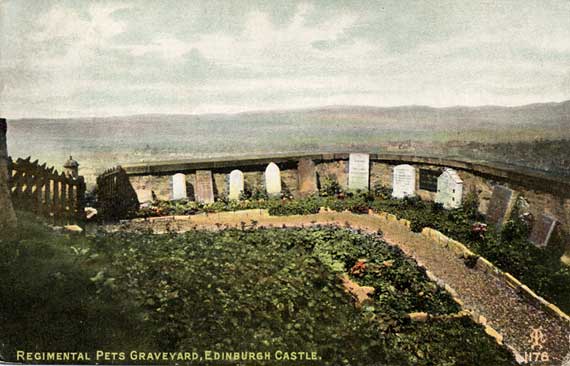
column 307, row 177
column 204, row 188
column 358, row 172
column 542, row 230
column 178, row 186
column 404, row 181
column 500, row 206
column 236, row 185
column 449, row 189
column 428, row 179
column 273, row 180
column 144, row 195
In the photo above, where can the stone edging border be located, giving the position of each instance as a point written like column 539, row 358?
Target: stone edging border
column 254, row 212
column 458, row 248
column 439, row 238
column 483, row 264
column 414, row 317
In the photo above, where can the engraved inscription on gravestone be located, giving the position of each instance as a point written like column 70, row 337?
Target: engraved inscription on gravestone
column 307, row 177
column 428, row 179
column 500, row 205
column 358, row 171
column 403, row 181
column 178, row 186
column 449, row 189
column 204, row 188
column 542, row 230
column 236, row 185
column 272, row 180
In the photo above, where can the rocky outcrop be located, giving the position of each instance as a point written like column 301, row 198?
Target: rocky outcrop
column 7, row 215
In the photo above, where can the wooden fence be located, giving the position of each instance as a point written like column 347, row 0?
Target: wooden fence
column 45, row 192
column 116, row 197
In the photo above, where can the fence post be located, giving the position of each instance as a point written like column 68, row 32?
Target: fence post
column 47, row 197
column 39, row 179
column 57, row 196
column 56, row 199
column 7, row 214
column 80, row 202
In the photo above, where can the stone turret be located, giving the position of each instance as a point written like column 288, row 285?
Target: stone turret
column 71, row 168
column 7, row 215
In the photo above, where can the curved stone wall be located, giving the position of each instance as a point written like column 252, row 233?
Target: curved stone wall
column 543, row 194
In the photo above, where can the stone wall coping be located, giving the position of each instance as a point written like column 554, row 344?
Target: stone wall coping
column 526, row 177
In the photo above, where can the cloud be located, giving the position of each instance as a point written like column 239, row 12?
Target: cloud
column 265, row 46
column 77, row 37
column 105, row 57
column 62, row 23
column 168, row 48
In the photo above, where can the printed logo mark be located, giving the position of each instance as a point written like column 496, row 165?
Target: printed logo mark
column 537, row 339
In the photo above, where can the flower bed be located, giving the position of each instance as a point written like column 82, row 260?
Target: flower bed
column 510, row 250
column 279, row 289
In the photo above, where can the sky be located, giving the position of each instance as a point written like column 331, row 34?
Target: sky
column 73, row 58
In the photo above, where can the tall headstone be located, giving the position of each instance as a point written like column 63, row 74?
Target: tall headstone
column 236, row 185
column 403, row 181
column 273, row 180
column 500, row 206
column 358, row 172
column 428, row 179
column 7, row 215
column 204, row 187
column 449, row 189
column 178, row 187
column 307, row 177
column 542, row 230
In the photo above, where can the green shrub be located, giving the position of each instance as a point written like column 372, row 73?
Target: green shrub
column 278, row 289
column 49, row 302
column 510, row 250
column 382, row 192
column 307, row 206
column 260, row 290
column 329, row 186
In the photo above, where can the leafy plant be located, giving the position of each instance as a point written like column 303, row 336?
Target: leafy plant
column 330, row 186
column 510, row 249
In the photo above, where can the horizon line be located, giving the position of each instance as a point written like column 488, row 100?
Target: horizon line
column 292, row 109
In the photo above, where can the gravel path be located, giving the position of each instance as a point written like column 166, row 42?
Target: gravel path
column 512, row 315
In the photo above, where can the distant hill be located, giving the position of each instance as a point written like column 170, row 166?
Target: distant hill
column 539, row 114
column 102, row 142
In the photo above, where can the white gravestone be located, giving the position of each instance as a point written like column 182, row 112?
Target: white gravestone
column 404, row 181
column 236, row 185
column 358, row 171
column 272, row 180
column 449, row 189
column 179, row 186
column 144, row 195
